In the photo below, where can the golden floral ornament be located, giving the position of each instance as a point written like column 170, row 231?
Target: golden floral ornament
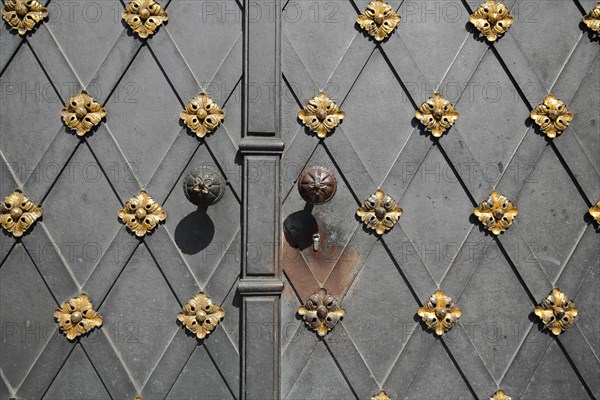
column 321, row 115
column 379, row 19
column 492, row 19
column 18, row 213
column 500, row 395
column 144, row 16
column 595, row 212
column 437, row 114
column 202, row 115
column 379, row 212
column 321, row 312
column 142, row 214
column 201, row 315
column 23, row 15
column 552, row 116
column 557, row 311
column 439, row 313
column 77, row 316
column 496, row 213
column 81, row 113
column 381, row 396
column 592, row 19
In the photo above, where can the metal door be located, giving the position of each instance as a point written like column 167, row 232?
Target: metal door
column 137, row 286
column 261, row 61
column 381, row 281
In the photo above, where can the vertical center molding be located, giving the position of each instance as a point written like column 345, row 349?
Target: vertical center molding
column 261, row 148
column 262, row 67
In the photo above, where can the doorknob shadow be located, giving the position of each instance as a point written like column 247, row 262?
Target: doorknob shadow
column 194, row 232
column 299, row 228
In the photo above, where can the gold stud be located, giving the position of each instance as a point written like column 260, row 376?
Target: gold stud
column 201, row 315
column 77, row 316
column 23, row 15
column 81, row 113
column 592, row 19
column 142, row 214
column 552, row 116
column 202, row 115
column 144, row 17
column 491, row 18
column 439, row 313
column 496, row 213
column 18, row 213
column 321, row 115
column 379, row 19
column 556, row 311
column 437, row 114
column 595, row 212
column 381, row 396
column 500, row 395
column 379, row 212
column 321, row 312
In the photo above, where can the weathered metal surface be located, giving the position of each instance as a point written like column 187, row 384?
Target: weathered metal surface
column 139, row 285
column 496, row 281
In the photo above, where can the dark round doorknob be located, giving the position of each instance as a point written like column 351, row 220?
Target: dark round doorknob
column 317, row 185
column 204, row 185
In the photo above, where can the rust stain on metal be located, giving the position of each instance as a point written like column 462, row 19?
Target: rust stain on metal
column 298, row 272
column 342, row 276
column 334, row 266
column 323, row 261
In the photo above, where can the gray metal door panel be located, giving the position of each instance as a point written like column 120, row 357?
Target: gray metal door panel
column 137, row 286
column 497, row 282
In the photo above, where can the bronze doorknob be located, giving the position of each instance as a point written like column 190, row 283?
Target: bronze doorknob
column 317, row 185
column 204, row 185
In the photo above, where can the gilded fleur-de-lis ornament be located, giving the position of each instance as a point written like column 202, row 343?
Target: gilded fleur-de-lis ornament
column 437, row 114
column 552, row 116
column 496, row 213
column 321, row 312
column 18, row 213
column 439, row 313
column 144, row 17
column 321, row 115
column 77, row 316
column 592, row 19
column 492, row 19
column 23, row 15
column 201, row 315
column 557, row 312
column 379, row 19
column 202, row 115
column 379, row 212
column 81, row 113
column 142, row 214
